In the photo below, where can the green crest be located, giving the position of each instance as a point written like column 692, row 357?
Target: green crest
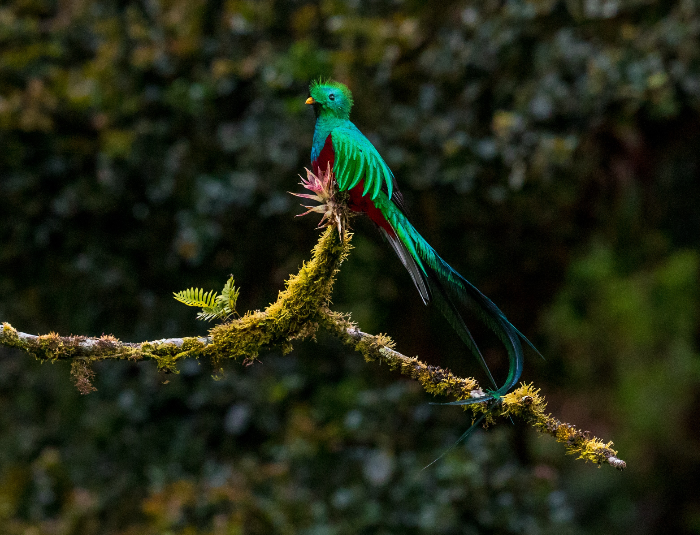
column 331, row 98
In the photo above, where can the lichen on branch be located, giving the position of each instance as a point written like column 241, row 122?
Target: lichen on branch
column 53, row 347
column 525, row 402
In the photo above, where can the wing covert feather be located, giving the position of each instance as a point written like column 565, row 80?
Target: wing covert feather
column 359, row 160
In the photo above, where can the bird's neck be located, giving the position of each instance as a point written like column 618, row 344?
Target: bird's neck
column 324, row 126
column 330, row 121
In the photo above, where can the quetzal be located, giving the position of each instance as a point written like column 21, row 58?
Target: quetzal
column 359, row 169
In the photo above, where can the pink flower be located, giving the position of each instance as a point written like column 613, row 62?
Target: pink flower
column 325, row 191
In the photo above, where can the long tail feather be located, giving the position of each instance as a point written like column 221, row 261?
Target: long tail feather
column 449, row 310
column 431, row 288
column 468, row 295
column 417, row 275
column 448, row 287
column 464, row 436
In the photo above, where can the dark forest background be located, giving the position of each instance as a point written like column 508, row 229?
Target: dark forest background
column 549, row 150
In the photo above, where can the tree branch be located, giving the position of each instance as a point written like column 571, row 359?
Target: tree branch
column 297, row 314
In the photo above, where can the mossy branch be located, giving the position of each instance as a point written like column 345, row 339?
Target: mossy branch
column 299, row 311
column 525, row 402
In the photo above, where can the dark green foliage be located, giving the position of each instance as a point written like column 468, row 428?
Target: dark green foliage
column 548, row 150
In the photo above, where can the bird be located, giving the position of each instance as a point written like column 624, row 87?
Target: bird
column 371, row 187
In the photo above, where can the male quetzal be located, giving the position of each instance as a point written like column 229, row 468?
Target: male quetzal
column 360, row 170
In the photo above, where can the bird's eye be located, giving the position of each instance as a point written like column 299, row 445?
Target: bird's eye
column 331, row 96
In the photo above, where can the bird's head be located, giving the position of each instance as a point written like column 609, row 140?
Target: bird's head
column 330, row 98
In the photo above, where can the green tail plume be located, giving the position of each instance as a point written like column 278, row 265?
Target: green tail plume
column 436, row 280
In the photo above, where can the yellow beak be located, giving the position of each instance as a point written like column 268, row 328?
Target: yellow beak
column 310, row 100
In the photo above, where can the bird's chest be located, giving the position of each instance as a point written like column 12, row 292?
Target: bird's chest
column 322, row 133
column 325, row 156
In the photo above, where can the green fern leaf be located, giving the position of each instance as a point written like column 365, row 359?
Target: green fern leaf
column 213, row 305
column 210, row 315
column 196, row 297
column 229, row 295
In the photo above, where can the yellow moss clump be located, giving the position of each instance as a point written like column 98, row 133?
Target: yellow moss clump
column 296, row 312
column 595, row 451
column 524, row 402
column 9, row 335
column 527, row 403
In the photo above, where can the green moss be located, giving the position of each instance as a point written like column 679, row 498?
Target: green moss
column 9, row 335
column 526, row 402
column 167, row 355
column 294, row 315
column 45, row 347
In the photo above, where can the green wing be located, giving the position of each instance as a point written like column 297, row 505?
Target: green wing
column 357, row 159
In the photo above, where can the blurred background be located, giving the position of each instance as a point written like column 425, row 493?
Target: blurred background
column 549, row 150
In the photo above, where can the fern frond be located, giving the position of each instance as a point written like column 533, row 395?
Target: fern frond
column 211, row 314
column 229, row 295
column 197, row 297
column 213, row 305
